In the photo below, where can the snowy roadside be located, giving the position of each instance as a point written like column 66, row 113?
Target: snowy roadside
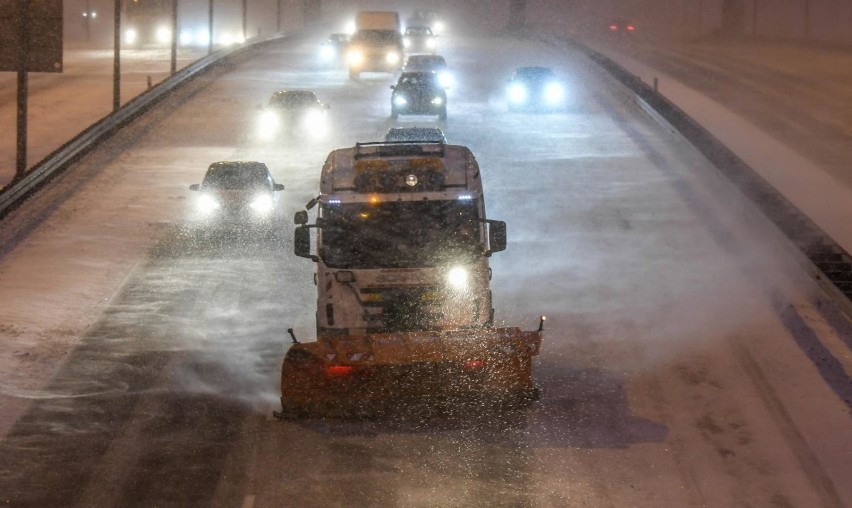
column 817, row 192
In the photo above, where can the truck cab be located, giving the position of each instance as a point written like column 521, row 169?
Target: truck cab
column 402, row 241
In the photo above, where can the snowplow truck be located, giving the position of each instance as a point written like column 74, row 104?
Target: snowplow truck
column 404, row 308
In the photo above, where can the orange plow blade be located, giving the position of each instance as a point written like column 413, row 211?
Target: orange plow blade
column 356, row 373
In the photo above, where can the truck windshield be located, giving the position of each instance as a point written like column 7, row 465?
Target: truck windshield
column 400, row 234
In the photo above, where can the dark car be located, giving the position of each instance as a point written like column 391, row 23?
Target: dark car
column 416, row 135
column 423, row 17
column 293, row 112
column 418, row 93
column 535, row 88
column 237, row 196
column 419, row 39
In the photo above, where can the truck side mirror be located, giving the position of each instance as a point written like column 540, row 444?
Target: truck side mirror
column 302, row 243
column 496, row 236
column 301, row 218
column 194, row 187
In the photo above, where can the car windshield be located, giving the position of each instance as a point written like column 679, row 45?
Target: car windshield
column 400, row 234
column 293, row 100
column 233, row 177
column 534, row 73
column 418, row 30
column 417, row 79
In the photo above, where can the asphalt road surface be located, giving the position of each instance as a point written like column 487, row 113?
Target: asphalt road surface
column 688, row 361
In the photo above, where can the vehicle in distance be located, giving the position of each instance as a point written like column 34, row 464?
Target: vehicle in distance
column 374, row 51
column 293, row 112
column 418, row 93
column 535, row 88
column 237, row 196
column 415, row 135
column 621, row 27
column 424, row 17
column 419, row 39
column 377, row 20
column 333, row 50
column 430, row 63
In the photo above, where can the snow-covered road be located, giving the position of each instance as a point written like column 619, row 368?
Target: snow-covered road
column 688, row 360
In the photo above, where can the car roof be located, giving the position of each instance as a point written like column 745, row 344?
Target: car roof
column 424, row 59
column 234, row 174
column 293, row 98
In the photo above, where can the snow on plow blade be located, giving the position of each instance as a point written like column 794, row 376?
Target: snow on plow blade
column 346, row 374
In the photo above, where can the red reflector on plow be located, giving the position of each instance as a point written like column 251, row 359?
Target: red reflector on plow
column 338, row 370
column 474, row 364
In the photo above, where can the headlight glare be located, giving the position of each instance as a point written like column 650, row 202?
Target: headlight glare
column 457, row 278
column 262, row 204
column 554, row 93
column 517, row 93
column 437, row 100
column 399, row 100
column 207, row 204
column 392, row 58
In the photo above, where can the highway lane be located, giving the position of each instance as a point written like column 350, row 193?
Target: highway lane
column 672, row 370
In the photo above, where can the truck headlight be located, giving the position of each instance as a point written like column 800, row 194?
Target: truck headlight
column 355, row 57
column 262, row 204
column 392, row 58
column 457, row 278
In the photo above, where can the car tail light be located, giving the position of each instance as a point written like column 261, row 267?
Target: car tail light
column 613, row 28
column 630, row 28
column 338, row 370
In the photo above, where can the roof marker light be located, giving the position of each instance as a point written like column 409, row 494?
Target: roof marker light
column 466, row 197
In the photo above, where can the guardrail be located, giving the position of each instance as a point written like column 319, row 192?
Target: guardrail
column 829, row 264
column 60, row 159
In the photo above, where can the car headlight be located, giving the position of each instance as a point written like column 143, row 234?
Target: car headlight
column 130, row 36
column 392, row 58
column 315, row 122
column 554, row 93
column 430, row 43
column 262, row 204
column 457, row 278
column 163, row 35
column 437, row 100
column 438, row 27
column 355, row 57
column 268, row 124
column 207, row 204
column 399, row 100
column 517, row 93
column 186, row 38
column 327, row 53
